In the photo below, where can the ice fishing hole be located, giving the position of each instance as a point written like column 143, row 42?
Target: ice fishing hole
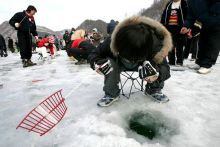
column 152, row 125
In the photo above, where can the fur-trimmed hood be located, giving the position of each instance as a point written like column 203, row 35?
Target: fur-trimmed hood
column 156, row 26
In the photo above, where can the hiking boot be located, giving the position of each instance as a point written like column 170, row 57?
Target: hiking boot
column 5, row 55
column 25, row 62
column 106, row 101
column 30, row 63
column 158, row 96
column 22, row 61
column 179, row 64
column 204, row 70
column 82, row 61
column 192, row 59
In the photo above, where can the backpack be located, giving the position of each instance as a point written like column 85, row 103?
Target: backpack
column 215, row 7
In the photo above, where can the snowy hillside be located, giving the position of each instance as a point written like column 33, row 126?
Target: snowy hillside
column 190, row 119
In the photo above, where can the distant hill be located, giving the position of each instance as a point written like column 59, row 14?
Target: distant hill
column 7, row 31
column 155, row 11
column 90, row 24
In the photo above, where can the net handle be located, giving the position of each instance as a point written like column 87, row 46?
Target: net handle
column 74, row 88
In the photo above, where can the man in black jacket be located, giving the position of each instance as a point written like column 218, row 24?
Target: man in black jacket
column 173, row 18
column 208, row 13
column 3, row 49
column 137, row 44
column 25, row 24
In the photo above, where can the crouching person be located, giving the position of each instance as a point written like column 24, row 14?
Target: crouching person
column 47, row 43
column 137, row 44
column 80, row 50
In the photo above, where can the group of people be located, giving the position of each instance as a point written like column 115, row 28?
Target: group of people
column 5, row 47
column 190, row 23
column 80, row 44
column 140, row 44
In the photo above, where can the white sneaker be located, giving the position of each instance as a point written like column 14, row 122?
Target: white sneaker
column 204, row 70
column 194, row 66
column 52, row 56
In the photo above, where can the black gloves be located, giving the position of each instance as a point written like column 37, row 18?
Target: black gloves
column 103, row 66
column 148, row 72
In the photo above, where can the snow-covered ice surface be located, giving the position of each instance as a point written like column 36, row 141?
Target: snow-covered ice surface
column 191, row 117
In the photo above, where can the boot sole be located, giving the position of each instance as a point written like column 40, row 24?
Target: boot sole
column 157, row 99
column 116, row 99
column 204, row 73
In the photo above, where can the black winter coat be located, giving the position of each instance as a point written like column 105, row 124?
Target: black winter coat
column 10, row 43
column 205, row 11
column 162, row 43
column 182, row 15
column 26, row 25
column 111, row 26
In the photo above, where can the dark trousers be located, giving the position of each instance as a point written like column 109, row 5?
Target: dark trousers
column 78, row 53
column 191, row 47
column 3, row 51
column 12, row 49
column 209, row 46
column 176, row 55
column 25, row 44
column 111, row 82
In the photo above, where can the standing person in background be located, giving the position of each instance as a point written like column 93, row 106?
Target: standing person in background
column 11, row 44
column 25, row 24
column 3, row 49
column 56, row 43
column 72, row 32
column 192, row 42
column 111, row 26
column 66, row 38
column 173, row 19
column 208, row 13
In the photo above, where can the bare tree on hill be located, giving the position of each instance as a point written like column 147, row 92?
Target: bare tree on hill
column 155, row 11
column 90, row 24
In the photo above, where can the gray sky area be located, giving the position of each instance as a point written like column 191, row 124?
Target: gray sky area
column 61, row 14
